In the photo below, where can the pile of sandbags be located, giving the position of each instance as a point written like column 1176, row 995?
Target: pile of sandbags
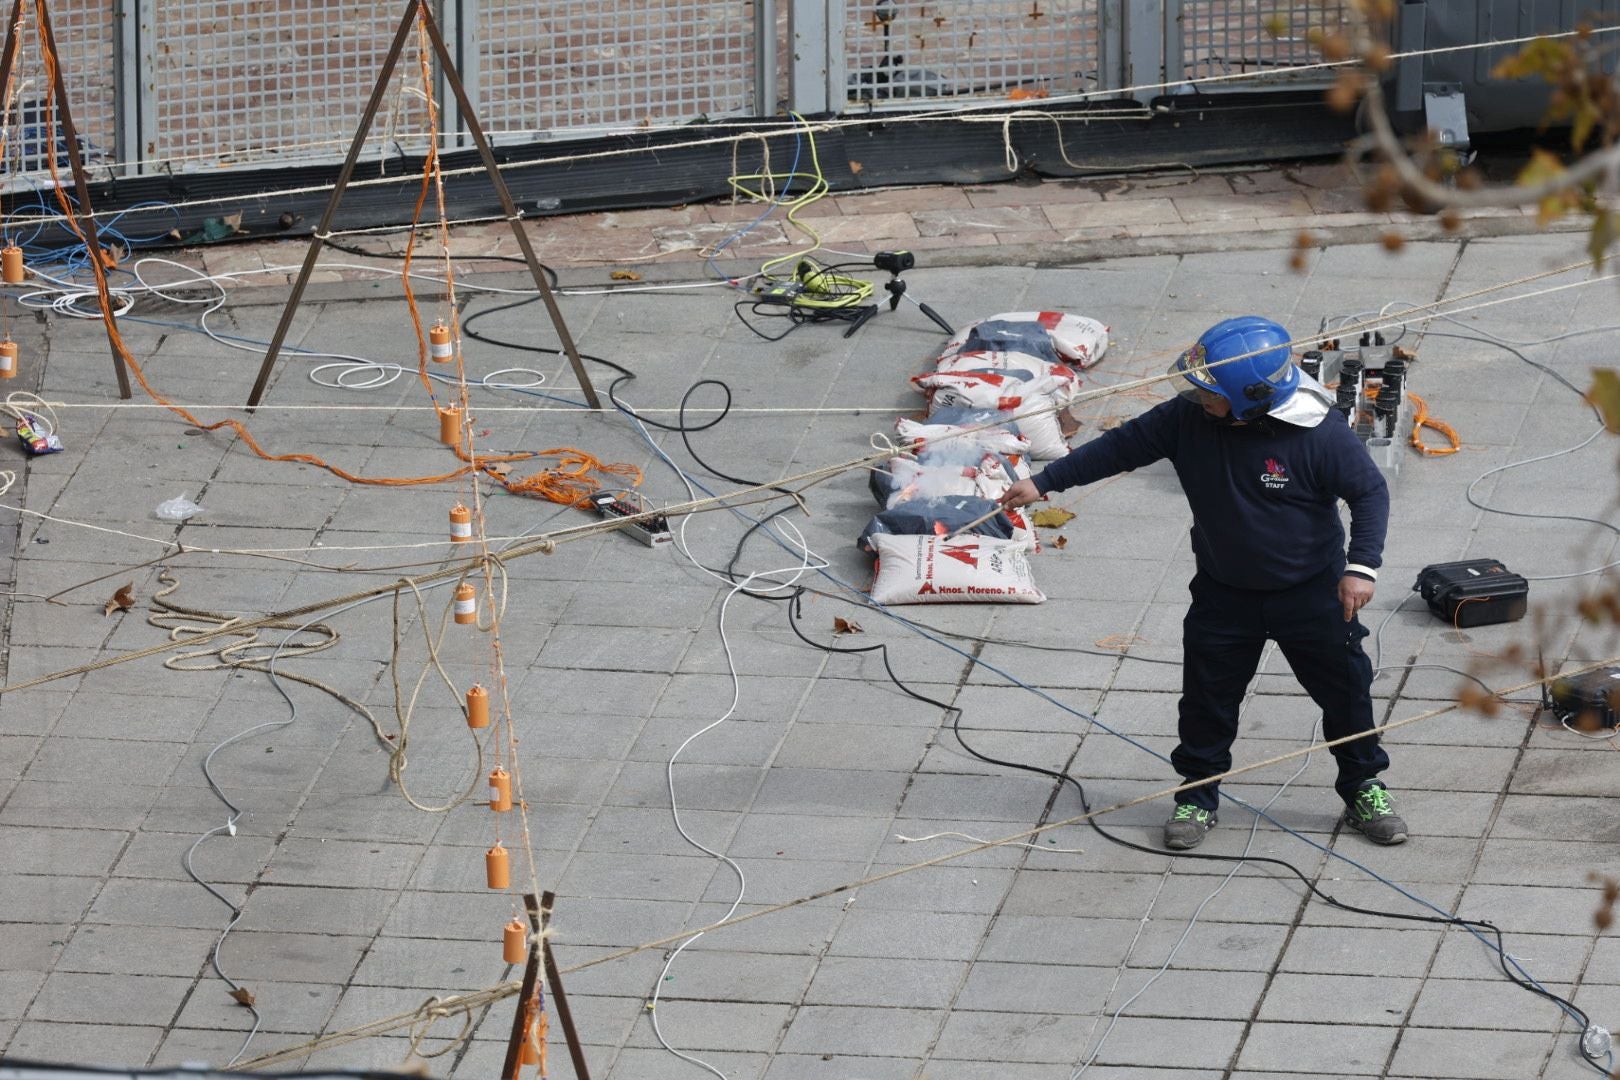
column 994, row 399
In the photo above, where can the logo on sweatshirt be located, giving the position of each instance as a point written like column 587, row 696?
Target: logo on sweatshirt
column 1276, row 475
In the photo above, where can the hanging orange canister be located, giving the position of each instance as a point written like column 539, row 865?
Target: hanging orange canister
column 515, row 942
column 11, row 265
column 477, row 707
column 460, row 524
column 531, row 1044
column 466, row 603
column 497, row 869
column 450, row 425
column 439, row 342
column 500, row 790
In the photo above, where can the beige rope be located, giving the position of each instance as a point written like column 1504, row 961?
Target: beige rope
column 547, row 541
column 509, row 989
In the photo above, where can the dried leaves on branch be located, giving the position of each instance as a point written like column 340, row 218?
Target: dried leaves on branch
column 1429, row 178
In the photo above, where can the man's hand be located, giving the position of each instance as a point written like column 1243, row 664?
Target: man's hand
column 1354, row 592
column 1022, row 493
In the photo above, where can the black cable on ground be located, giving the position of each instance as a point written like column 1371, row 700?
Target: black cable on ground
column 882, row 650
column 794, row 610
column 681, row 426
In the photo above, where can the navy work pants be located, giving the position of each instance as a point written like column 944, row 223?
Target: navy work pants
column 1223, row 635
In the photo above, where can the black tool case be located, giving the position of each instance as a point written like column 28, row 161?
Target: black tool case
column 1589, row 700
column 1474, row 592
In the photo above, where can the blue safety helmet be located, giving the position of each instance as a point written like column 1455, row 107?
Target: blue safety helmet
column 1260, row 378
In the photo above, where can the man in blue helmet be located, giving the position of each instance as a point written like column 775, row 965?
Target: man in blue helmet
column 1264, row 461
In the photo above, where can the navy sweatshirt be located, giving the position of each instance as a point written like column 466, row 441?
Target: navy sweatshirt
column 1264, row 495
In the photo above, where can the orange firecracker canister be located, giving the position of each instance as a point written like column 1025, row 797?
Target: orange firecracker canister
column 466, row 603
column 497, row 870
column 8, row 359
column 450, row 425
column 439, row 342
column 531, row 1044
column 500, row 790
column 460, row 524
column 477, row 707
column 515, row 942
column 11, row 265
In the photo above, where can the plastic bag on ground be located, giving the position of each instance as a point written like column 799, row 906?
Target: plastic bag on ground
column 931, row 570
column 178, row 508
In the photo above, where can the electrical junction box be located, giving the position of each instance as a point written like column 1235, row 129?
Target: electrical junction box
column 652, row 529
column 1588, row 701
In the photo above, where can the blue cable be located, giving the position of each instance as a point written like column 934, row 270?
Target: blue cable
column 74, row 258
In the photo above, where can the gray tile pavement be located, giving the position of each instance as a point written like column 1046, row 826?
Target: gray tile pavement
column 1006, row 964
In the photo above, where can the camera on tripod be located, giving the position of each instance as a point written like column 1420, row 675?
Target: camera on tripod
column 894, row 262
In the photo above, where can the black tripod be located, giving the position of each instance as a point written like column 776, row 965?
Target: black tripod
column 895, row 262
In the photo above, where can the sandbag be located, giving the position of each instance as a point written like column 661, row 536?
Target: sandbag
column 1073, row 338
column 1063, row 384
column 1007, row 390
column 953, row 428
column 938, row 517
column 931, row 570
column 938, row 473
column 907, row 479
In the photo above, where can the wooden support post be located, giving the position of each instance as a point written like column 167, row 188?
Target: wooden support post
column 539, row 912
column 531, row 975
column 70, row 139
column 419, row 9
column 565, row 1015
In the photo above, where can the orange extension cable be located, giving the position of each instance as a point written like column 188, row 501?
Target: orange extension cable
column 568, row 484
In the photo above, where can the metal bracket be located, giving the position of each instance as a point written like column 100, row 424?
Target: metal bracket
column 1445, row 112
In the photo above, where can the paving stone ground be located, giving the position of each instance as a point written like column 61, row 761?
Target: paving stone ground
column 1010, row 963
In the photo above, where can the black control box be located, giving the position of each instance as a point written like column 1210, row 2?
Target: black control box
column 1473, row 592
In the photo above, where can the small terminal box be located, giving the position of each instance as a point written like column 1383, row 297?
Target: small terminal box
column 651, row 531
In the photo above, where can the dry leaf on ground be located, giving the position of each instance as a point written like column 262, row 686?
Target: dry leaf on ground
column 122, row 600
column 1051, row 517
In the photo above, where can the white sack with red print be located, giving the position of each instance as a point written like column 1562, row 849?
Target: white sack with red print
column 933, row 570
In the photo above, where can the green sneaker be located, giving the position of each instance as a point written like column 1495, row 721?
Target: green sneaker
column 1187, row 827
column 1373, row 815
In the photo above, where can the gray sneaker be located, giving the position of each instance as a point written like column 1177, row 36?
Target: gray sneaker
column 1187, row 827
column 1373, row 815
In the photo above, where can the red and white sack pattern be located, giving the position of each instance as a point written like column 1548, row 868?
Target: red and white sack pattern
column 991, row 440
column 1065, row 379
column 1077, row 339
column 986, row 388
column 932, row 570
column 998, row 472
